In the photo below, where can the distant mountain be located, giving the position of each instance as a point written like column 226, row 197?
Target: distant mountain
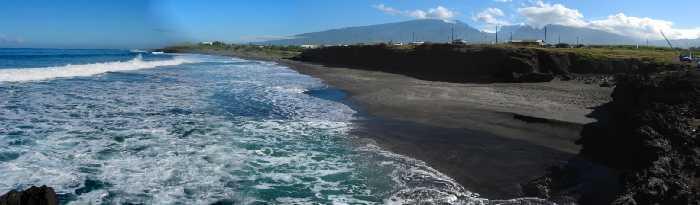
column 572, row 35
column 431, row 30
column 681, row 43
column 419, row 30
column 565, row 34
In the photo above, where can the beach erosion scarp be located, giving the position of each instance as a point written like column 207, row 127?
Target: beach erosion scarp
column 485, row 63
column 644, row 147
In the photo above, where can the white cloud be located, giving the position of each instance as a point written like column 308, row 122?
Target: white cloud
column 503, row 1
column 539, row 14
column 441, row 13
column 387, row 9
column 642, row 27
column 4, row 39
column 438, row 12
column 490, row 17
column 542, row 14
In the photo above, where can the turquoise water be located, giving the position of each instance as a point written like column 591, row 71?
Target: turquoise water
column 138, row 128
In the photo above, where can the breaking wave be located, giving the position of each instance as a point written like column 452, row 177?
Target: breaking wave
column 221, row 130
column 47, row 73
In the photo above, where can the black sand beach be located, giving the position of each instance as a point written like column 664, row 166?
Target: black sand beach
column 489, row 137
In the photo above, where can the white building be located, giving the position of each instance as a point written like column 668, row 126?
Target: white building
column 206, row 43
column 459, row 41
column 309, row 46
column 527, row 42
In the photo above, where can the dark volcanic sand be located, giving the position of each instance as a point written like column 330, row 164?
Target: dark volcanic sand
column 488, row 137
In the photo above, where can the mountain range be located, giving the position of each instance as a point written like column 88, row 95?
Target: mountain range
column 432, row 30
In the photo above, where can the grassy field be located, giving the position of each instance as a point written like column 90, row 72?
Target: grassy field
column 650, row 54
column 644, row 53
column 249, row 51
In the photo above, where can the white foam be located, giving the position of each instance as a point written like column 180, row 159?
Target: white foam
column 291, row 89
column 46, row 73
column 223, row 158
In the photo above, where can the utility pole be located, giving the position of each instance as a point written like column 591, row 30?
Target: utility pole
column 413, row 37
column 545, row 34
column 511, row 36
column 559, row 42
column 577, row 41
column 497, row 34
column 452, row 39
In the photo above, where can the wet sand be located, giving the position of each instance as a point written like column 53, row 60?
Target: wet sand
column 488, row 137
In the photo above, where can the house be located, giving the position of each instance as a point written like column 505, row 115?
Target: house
column 527, row 42
column 206, row 43
column 415, row 43
column 309, row 46
column 459, row 42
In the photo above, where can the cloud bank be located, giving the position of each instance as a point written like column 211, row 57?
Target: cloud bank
column 541, row 14
column 438, row 12
column 4, row 39
column 490, row 17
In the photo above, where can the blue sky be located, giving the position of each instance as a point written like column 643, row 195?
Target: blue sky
column 153, row 23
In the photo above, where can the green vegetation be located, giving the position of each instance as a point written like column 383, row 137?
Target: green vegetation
column 649, row 54
column 241, row 50
column 653, row 54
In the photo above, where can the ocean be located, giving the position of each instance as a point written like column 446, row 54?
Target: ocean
column 133, row 127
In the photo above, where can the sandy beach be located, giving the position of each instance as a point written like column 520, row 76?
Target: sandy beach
column 488, row 137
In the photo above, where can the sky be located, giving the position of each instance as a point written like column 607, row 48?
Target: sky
column 155, row 23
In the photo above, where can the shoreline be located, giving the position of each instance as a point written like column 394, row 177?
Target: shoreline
column 489, row 147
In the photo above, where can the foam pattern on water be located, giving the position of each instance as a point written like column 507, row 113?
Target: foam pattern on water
column 46, row 73
column 221, row 130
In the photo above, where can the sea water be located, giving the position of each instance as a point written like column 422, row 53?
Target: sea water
column 131, row 127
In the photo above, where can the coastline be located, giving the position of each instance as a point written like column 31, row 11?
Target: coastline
column 491, row 138
column 491, row 145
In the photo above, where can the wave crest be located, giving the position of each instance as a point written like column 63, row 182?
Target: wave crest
column 47, row 73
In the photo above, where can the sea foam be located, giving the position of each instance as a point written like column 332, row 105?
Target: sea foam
column 47, row 73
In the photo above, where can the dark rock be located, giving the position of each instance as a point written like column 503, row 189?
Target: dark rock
column 566, row 77
column 578, row 180
column 532, row 77
column 33, row 196
column 647, row 139
column 530, row 119
column 473, row 63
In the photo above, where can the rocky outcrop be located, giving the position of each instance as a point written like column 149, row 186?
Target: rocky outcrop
column 464, row 63
column 646, row 140
column 33, row 196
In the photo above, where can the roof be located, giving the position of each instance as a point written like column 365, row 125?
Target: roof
column 527, row 41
